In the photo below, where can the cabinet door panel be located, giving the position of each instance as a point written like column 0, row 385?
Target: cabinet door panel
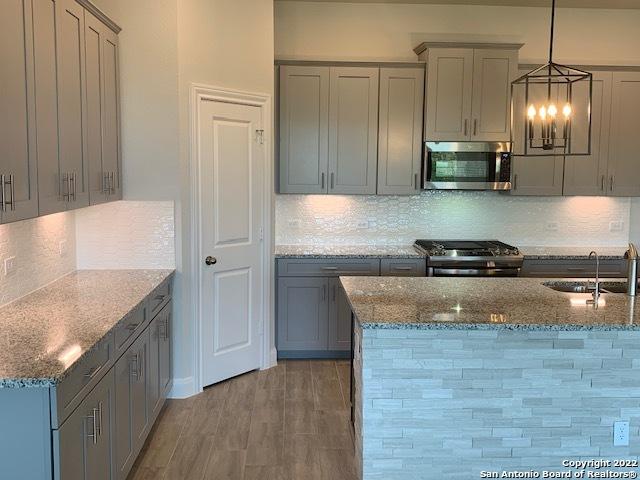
column 139, row 389
column 493, row 71
column 449, row 86
column 111, row 153
column 302, row 313
column 304, row 123
column 353, row 130
column 153, row 370
column 624, row 166
column 339, row 318
column 165, row 351
column 400, row 130
column 70, row 64
column 586, row 175
column 17, row 110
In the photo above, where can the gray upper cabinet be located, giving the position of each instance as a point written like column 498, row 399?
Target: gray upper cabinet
column 353, row 130
column 624, row 167
column 449, row 87
column 83, row 442
column 468, row 93
column 493, row 71
column 18, row 174
column 587, row 175
column 70, row 36
column 304, row 129
column 400, row 130
column 103, row 136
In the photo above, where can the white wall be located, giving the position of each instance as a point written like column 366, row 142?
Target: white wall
column 393, row 220
column 35, row 247
column 326, row 30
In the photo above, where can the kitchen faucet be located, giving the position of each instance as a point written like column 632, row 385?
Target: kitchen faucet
column 632, row 272
column 596, row 287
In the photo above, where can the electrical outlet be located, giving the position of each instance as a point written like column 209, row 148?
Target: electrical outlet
column 63, row 248
column 362, row 225
column 616, row 226
column 10, row 266
column 552, row 227
column 294, row 223
column 620, row 434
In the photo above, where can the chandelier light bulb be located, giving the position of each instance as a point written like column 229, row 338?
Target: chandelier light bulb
column 543, row 113
column 566, row 110
column 531, row 112
column 552, row 111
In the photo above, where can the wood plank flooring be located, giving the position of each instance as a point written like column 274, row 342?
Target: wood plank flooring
column 287, row 423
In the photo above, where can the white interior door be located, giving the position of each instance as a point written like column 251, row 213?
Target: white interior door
column 231, row 186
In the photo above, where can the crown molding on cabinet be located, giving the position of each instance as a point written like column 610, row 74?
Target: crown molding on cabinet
column 426, row 45
column 327, row 63
column 100, row 15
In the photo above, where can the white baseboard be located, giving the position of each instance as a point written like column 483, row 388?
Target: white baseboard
column 183, row 388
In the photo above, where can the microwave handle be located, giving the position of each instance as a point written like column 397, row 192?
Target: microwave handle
column 427, row 166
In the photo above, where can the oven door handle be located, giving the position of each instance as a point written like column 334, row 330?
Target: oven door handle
column 476, row 272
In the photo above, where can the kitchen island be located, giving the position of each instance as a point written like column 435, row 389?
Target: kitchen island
column 464, row 377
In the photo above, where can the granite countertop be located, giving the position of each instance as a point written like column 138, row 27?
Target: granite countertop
column 46, row 332
column 347, row 251
column 483, row 303
column 571, row 253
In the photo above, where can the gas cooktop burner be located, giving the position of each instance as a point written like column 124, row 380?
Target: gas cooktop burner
column 466, row 248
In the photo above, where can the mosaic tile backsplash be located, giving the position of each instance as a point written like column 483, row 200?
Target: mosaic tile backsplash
column 42, row 249
column 388, row 220
column 126, row 234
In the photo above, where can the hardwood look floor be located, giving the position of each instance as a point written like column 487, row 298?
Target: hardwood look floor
column 287, row 423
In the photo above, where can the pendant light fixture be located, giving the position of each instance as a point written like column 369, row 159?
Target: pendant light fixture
column 551, row 109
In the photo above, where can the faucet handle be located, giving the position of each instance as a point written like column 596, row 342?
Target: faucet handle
column 632, row 252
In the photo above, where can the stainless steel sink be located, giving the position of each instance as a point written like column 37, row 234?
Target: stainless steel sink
column 568, row 287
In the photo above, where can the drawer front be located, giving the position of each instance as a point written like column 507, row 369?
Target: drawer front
column 159, row 298
column 290, row 267
column 129, row 328
column 84, row 376
column 403, row 267
column 573, row 268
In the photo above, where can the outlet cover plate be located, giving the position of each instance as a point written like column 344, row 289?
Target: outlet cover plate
column 621, row 434
column 10, row 266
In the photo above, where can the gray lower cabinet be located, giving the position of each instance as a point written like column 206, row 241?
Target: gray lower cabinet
column 159, row 370
column 578, row 268
column 303, row 308
column 82, row 445
column 131, row 404
column 313, row 313
column 339, row 318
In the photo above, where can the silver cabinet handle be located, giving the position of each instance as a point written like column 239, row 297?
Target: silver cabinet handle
column 112, row 183
column 92, row 418
column 3, row 199
column 611, row 184
column 322, row 181
column 92, row 372
column 99, row 423
column 66, row 179
column 324, row 293
column 475, row 127
column 602, row 180
column 133, row 326
column 135, row 367
column 163, row 330
column 466, row 129
column 12, row 189
column 406, row 269
column 142, row 367
column 415, row 181
column 74, row 180
column 329, row 268
column 515, row 181
column 332, row 180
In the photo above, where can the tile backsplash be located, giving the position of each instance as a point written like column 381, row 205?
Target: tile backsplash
column 386, row 220
column 126, row 234
column 43, row 250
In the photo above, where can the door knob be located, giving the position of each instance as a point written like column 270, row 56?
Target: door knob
column 211, row 260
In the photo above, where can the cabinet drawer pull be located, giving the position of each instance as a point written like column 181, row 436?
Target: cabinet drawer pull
column 611, row 184
column 160, row 298
column 135, row 367
column 406, row 269
column 329, row 268
column 99, row 423
column 602, row 187
column 92, row 419
column 475, row 127
column 322, row 181
column 466, row 129
column 332, row 180
column 92, row 372
column 132, row 326
column 3, row 199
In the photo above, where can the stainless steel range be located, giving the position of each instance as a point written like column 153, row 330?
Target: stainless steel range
column 470, row 258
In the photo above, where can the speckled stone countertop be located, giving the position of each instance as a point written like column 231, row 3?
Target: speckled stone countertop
column 571, row 253
column 483, row 303
column 71, row 314
column 347, row 251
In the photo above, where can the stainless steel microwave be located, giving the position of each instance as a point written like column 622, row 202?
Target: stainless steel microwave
column 467, row 166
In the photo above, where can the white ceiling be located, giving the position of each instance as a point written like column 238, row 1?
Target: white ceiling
column 615, row 4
